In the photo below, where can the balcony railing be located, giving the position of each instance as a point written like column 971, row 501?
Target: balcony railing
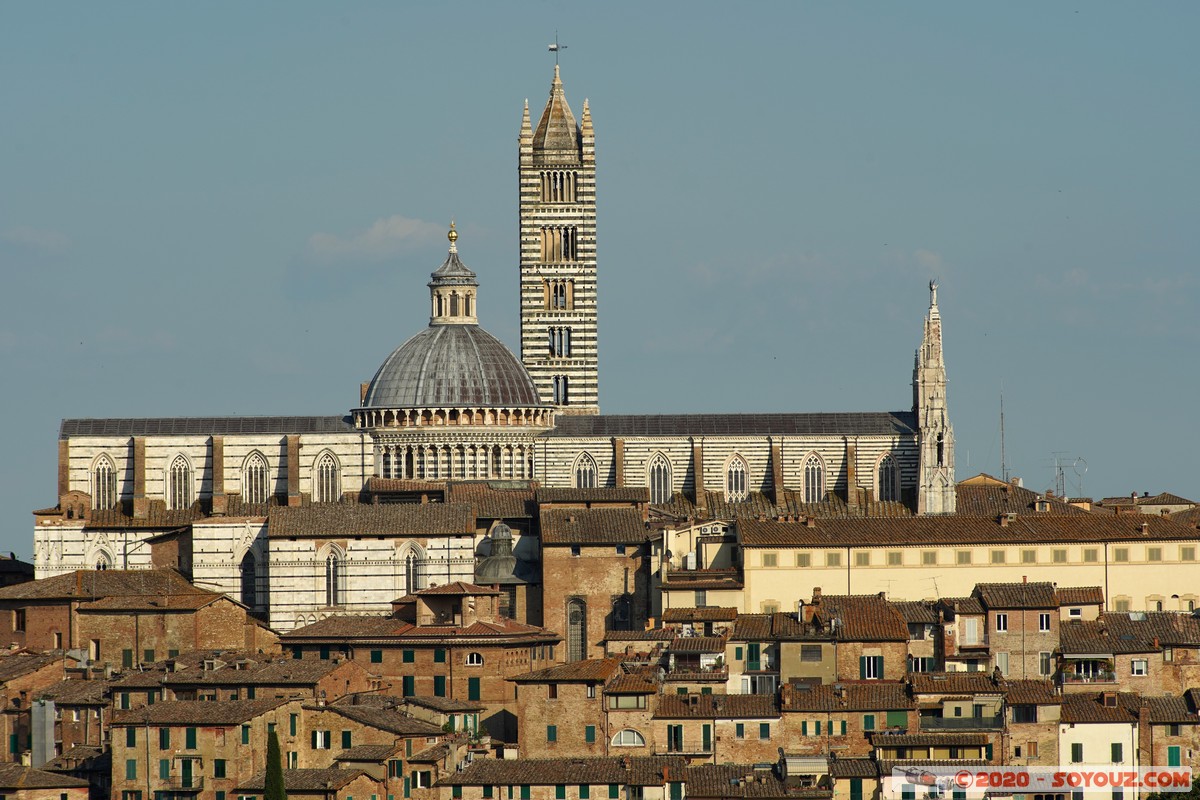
column 961, row 723
column 699, row 675
column 1102, row 676
column 179, row 783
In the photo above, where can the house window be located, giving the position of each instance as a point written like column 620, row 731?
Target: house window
column 589, row 734
column 1154, row 554
column 929, row 557
column 1029, row 556
column 814, row 479
column 179, row 484
column 1117, row 752
column 1002, row 663
column 327, row 488
column 576, row 630
column 104, row 483
column 803, row 560
column 764, row 730
column 560, row 390
column 659, row 476
column 1044, row 623
column 249, row 580
column 870, row 667
column 1077, row 753
column 1058, row 556
column 1120, row 554
column 1121, row 604
column 735, row 480
column 585, row 472
column 833, row 559
column 474, row 660
column 551, row 733
column 889, row 479
column 999, row 556
column 254, row 479
column 895, row 558
column 1045, row 665
column 770, row 560
column 1002, row 623
column 1091, row 555
column 376, row 656
column 962, row 557
column 810, row 653
column 1187, row 553
column 1139, row 667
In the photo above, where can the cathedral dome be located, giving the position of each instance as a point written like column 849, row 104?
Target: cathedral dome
column 452, row 365
column 453, row 362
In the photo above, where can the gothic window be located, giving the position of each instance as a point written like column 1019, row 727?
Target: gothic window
column 659, row 475
column 411, row 567
column 249, row 570
column 585, row 472
column 103, row 562
column 814, row 479
column 888, row 482
column 335, row 580
column 326, row 489
column 179, row 484
column 254, row 479
column 560, row 390
column 735, row 480
column 576, row 630
column 104, row 483
column 941, row 450
column 622, row 615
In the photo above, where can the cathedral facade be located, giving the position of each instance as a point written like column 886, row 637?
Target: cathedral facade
column 303, row 517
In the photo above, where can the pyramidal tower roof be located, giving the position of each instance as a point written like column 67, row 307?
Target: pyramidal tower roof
column 557, row 133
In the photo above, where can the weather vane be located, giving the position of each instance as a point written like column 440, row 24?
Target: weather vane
column 554, row 48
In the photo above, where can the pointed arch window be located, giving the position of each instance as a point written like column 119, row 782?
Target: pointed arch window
column 576, row 630
column 104, row 483
column 814, row 479
column 327, row 485
column 254, row 479
column 249, row 582
column 585, row 472
column 179, row 484
column 659, row 475
column 735, row 480
column 103, row 562
column 888, row 482
column 335, row 580
column 411, row 568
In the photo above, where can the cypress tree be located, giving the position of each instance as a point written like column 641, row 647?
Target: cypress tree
column 273, row 784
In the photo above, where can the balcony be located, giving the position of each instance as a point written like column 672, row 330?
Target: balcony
column 698, row 675
column 182, row 783
column 1099, row 676
column 962, row 723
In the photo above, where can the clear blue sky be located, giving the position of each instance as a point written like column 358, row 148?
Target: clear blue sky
column 233, row 208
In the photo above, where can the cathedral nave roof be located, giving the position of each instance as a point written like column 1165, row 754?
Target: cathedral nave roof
column 863, row 423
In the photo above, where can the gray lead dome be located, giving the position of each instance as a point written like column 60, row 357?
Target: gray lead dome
column 452, row 365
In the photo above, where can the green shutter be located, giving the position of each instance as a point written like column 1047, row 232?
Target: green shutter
column 292, row 720
column 190, row 738
column 164, row 769
column 589, row 734
column 862, row 667
column 130, row 737
column 473, row 688
column 856, row 792
column 408, row 656
column 439, row 656
column 614, row 791
column 868, row 722
column 164, row 738
column 843, row 727
column 752, row 656
column 131, row 769
column 456, row 791
column 127, row 659
column 551, row 733
column 1118, row 753
column 346, row 738
column 1173, row 756
column 737, row 653
column 407, row 786
column 525, row 791
column 739, row 730
column 817, row 726
column 706, row 737
column 376, row 656
column 897, row 719
column 439, row 685
column 585, row 791
column 560, row 792
column 764, row 730
column 410, row 685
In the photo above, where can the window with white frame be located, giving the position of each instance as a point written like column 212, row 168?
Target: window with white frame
column 1044, row 623
column 254, row 479
column 659, row 475
column 1139, row 667
column 104, row 483
column 585, row 472
column 327, row 488
column 888, row 479
column 735, row 480
column 1045, row 664
column 474, row 659
column 179, row 484
column 628, row 738
column 814, row 479
column 1001, row 623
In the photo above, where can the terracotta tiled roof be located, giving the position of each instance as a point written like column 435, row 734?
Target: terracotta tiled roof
column 728, row 781
column 631, row 771
column 176, row 602
column 96, row 584
column 384, row 719
column 1169, row 710
column 631, row 684
column 602, row 494
column 372, row 519
column 1078, row 708
column 444, row 704
column 853, row 768
column 959, row 529
column 76, row 693
column 389, row 630
column 1016, row 595
column 954, row 683
column 305, row 780
column 1128, row 632
column 277, row 672
column 193, row 712
column 561, row 526
column 201, row 426
column 855, row 696
column 885, row 739
column 916, row 611
column 863, row 618
column 962, row 605
column 763, row 627
column 709, row 614
column 14, row 777
column 1028, row 692
column 886, row 766
column 985, row 496
column 687, row 580
column 697, row 644
column 157, row 516
column 590, row 670
column 495, row 499
column 1189, row 517
column 81, row 757
column 1079, row 595
column 347, row 626
column 790, row 504
column 716, row 706
column 369, row 752
column 457, row 588
column 14, row 665
column 377, row 485
column 864, row 423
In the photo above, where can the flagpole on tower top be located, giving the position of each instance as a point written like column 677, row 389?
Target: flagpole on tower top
column 556, row 47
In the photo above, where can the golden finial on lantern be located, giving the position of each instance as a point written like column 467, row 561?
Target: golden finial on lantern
column 453, row 237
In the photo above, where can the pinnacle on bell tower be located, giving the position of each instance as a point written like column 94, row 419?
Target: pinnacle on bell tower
column 935, row 480
column 557, row 184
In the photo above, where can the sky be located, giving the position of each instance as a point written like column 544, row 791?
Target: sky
column 233, row 208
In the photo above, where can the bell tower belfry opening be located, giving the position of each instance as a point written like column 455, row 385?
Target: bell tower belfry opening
column 557, row 179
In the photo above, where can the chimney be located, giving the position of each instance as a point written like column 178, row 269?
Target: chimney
column 1145, row 528
column 810, row 522
column 816, row 596
column 1004, row 520
column 1024, row 579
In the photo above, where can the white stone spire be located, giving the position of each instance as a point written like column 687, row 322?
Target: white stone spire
column 935, row 487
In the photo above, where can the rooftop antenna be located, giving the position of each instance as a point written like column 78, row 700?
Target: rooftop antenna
column 1003, row 460
column 556, row 47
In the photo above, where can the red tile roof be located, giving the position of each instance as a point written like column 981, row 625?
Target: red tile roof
column 716, row 706
column 1017, row 595
column 363, row 519
column 590, row 671
column 564, row 526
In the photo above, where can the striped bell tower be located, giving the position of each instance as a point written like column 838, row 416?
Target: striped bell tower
column 557, row 174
